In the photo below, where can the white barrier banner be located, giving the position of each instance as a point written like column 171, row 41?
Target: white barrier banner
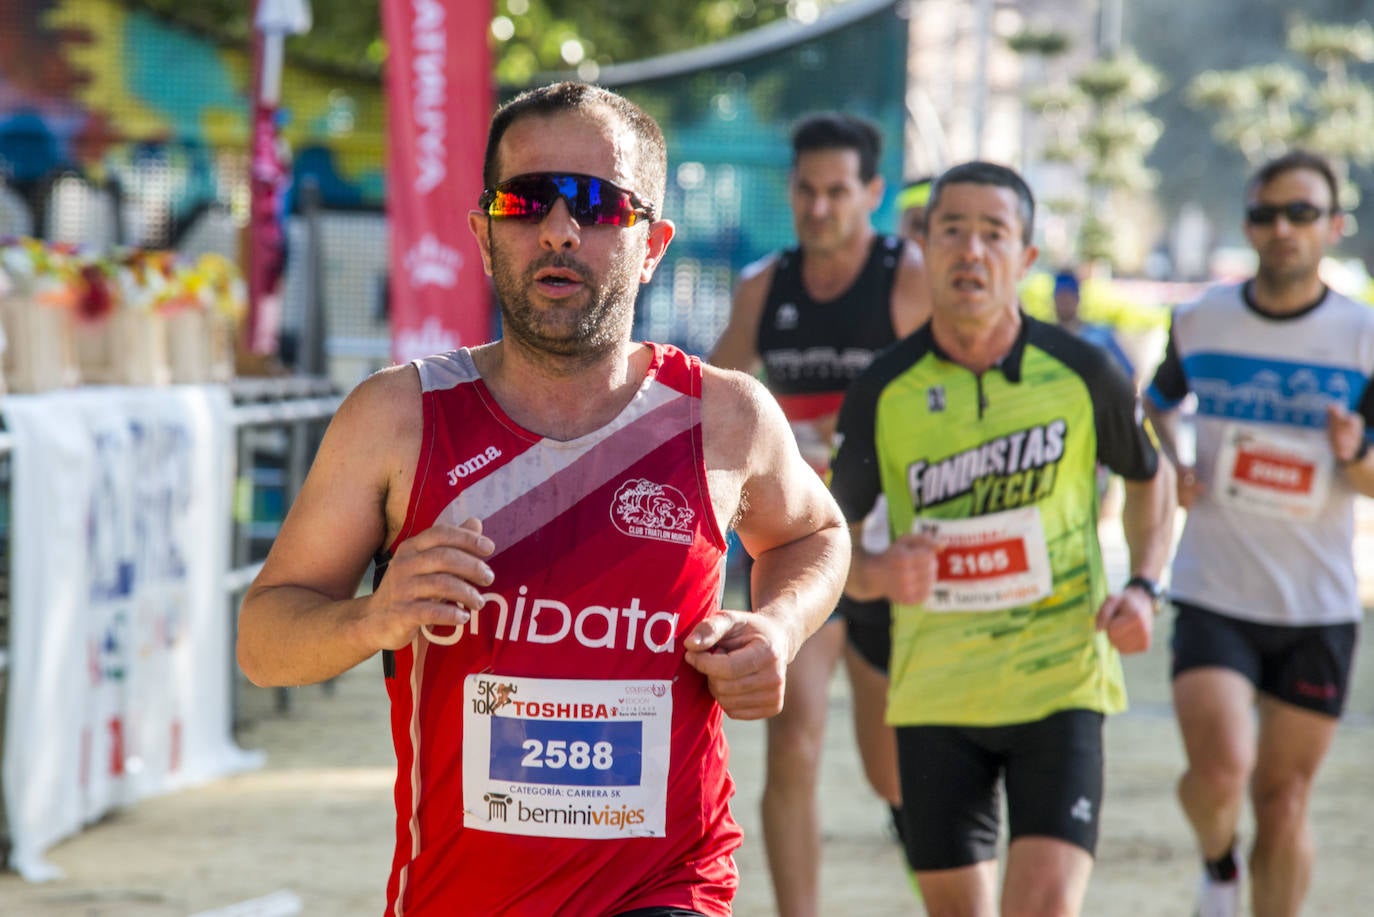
column 120, row 666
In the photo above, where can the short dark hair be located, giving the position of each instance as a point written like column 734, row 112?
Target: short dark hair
column 1293, row 161
column 836, row 130
column 651, row 166
column 979, row 172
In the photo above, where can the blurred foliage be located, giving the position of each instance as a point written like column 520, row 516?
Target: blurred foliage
column 1130, row 309
column 1116, row 82
column 344, row 36
column 1096, row 123
column 1267, row 109
column 533, row 36
column 527, row 36
column 1332, row 45
column 1045, row 42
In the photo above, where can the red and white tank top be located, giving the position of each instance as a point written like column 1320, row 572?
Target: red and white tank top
column 556, row 755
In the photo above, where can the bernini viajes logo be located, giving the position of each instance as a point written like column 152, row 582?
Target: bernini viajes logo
column 429, row 85
column 658, row 512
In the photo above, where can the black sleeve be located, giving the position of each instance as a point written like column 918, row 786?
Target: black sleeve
column 1170, row 384
column 1365, row 408
column 1123, row 444
column 854, row 475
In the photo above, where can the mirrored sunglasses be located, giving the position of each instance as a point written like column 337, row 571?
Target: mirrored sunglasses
column 590, row 200
column 1297, row 213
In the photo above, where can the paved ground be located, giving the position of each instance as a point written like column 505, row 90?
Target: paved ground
column 310, row 832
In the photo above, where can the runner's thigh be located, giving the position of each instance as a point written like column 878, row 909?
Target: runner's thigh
column 949, row 796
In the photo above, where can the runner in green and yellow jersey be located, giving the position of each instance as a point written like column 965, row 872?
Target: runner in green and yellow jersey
column 983, row 431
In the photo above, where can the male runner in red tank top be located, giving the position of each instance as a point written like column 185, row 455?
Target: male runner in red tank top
column 550, row 513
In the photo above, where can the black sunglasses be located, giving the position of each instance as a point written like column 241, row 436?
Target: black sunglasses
column 1297, row 213
column 590, row 200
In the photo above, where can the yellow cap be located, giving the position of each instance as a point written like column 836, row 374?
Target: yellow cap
column 914, row 196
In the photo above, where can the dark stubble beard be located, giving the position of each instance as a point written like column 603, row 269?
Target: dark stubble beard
column 584, row 327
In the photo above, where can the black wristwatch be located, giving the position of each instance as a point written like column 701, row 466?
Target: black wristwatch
column 1359, row 455
column 1148, row 586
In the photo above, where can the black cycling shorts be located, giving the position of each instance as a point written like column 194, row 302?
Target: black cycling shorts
column 1307, row 667
column 951, row 775
column 869, row 629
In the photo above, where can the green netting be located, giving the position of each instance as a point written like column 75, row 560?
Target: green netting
column 728, row 125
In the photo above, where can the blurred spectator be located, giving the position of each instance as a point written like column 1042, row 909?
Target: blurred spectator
column 1066, row 303
column 911, row 207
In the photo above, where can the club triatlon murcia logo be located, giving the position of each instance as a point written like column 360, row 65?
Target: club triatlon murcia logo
column 658, row 512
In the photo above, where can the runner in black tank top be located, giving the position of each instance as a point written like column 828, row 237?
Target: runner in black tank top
column 817, row 348
column 812, row 318
column 811, row 351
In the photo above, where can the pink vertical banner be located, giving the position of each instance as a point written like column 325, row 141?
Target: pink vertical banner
column 269, row 172
column 267, row 233
column 439, row 102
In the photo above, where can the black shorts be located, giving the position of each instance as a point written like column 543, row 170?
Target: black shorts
column 1052, row 770
column 660, row 912
column 869, row 629
column 1307, row 667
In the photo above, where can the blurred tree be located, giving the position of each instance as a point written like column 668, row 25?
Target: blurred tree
column 1267, row 109
column 1037, row 46
column 345, row 34
column 549, row 35
column 1098, row 127
column 528, row 36
column 1118, row 134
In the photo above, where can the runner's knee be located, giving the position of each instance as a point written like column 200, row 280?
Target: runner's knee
column 795, row 744
column 1280, row 805
column 1216, row 780
column 1045, row 901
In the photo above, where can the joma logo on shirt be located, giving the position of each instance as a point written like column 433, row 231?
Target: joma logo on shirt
column 476, row 463
column 1009, row 471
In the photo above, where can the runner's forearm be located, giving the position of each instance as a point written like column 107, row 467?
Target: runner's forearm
column 800, row 582
column 289, row 635
column 1165, row 425
column 1360, row 474
column 1147, row 520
